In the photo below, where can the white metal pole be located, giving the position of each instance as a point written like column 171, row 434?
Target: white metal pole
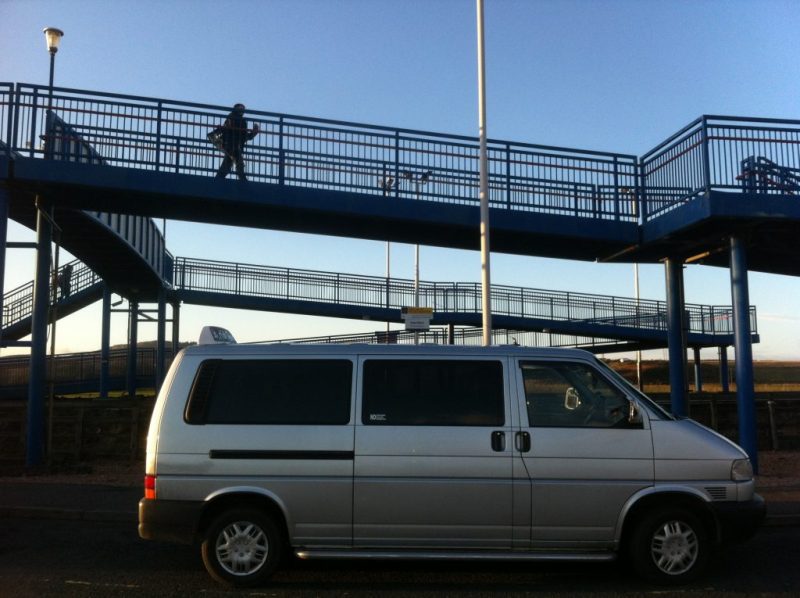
column 416, row 286
column 486, row 292
column 416, row 275
column 639, row 382
column 388, row 280
column 638, row 353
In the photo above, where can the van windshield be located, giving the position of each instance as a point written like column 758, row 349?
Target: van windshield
column 643, row 398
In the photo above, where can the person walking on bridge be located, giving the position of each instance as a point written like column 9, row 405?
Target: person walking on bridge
column 230, row 138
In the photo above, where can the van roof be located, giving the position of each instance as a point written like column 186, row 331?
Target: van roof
column 379, row 349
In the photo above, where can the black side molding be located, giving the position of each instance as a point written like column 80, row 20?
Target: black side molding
column 275, row 455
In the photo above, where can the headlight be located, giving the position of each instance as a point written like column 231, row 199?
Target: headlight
column 741, row 470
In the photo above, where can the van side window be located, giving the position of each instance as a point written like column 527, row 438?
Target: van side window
column 433, row 392
column 275, row 391
column 571, row 395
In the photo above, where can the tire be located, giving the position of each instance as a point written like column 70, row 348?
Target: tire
column 669, row 546
column 242, row 547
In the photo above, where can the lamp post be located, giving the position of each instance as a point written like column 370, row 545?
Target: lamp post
column 41, row 293
column 53, row 38
column 386, row 183
column 419, row 180
column 486, row 285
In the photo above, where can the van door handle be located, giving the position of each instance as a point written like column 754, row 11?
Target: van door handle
column 498, row 441
column 522, row 441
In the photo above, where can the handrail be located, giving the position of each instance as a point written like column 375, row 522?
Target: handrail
column 449, row 297
column 169, row 135
column 394, row 293
column 18, row 302
column 166, row 135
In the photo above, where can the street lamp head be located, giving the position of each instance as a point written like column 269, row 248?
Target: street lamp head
column 53, row 38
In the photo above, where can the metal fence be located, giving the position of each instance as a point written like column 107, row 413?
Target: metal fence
column 467, row 337
column 169, row 136
column 448, row 297
column 76, row 368
column 6, row 120
column 713, row 152
column 18, row 302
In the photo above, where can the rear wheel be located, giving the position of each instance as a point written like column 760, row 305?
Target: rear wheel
column 669, row 546
column 242, row 547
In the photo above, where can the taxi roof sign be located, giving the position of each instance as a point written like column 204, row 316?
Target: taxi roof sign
column 215, row 335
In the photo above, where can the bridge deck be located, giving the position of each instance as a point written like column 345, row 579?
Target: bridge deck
column 334, row 294
column 150, row 157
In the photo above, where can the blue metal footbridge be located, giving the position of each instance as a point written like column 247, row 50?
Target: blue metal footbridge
column 95, row 168
column 597, row 322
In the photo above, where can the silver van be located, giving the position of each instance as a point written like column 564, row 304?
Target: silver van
column 429, row 452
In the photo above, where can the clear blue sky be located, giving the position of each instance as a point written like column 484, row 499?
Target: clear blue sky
column 618, row 75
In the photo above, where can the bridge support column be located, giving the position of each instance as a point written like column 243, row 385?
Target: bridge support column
column 34, row 448
column 698, row 376
column 675, row 337
column 133, row 353
column 161, row 325
column 105, row 342
column 176, row 326
column 3, row 236
column 745, row 388
column 724, row 374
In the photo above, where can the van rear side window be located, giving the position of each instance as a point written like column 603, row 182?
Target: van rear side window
column 271, row 392
column 406, row 392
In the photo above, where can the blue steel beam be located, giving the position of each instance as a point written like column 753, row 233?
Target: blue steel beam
column 133, row 343
column 676, row 337
column 105, row 343
column 3, row 237
column 34, row 445
column 745, row 390
column 724, row 376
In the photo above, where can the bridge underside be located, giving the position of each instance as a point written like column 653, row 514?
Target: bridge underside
column 117, row 263
column 699, row 230
column 309, row 210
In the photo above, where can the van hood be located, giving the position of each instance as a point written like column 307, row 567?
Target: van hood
column 687, row 439
column 686, row 450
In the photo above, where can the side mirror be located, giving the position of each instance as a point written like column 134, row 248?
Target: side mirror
column 572, row 399
column 634, row 415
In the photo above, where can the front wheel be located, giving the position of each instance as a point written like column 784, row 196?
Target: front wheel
column 242, row 547
column 669, row 546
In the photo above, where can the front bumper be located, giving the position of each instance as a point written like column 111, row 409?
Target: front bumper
column 739, row 520
column 169, row 520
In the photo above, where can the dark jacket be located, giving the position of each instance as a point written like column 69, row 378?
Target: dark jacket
column 235, row 132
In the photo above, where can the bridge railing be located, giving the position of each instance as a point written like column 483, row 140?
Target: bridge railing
column 710, row 153
column 464, row 336
column 76, row 368
column 449, row 297
column 169, row 136
column 6, row 115
column 18, row 302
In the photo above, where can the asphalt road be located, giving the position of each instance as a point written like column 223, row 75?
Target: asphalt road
column 73, row 558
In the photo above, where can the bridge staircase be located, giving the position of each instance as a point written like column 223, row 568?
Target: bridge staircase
column 580, row 316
